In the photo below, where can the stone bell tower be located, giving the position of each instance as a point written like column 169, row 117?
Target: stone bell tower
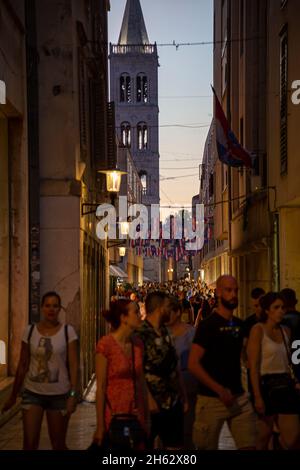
column 134, row 89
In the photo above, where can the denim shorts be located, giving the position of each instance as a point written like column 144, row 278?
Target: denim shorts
column 47, row 402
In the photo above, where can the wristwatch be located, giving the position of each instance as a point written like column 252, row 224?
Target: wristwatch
column 72, row 393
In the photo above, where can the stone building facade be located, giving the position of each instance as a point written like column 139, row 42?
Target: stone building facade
column 14, row 182
column 256, row 211
column 56, row 129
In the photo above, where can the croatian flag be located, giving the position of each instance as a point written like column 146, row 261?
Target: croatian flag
column 229, row 149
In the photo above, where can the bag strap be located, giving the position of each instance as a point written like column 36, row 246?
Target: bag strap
column 30, row 333
column 288, row 353
column 67, row 348
column 133, row 374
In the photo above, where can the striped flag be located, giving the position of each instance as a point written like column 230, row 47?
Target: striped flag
column 229, row 149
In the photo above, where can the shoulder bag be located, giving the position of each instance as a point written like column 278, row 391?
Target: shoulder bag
column 125, row 430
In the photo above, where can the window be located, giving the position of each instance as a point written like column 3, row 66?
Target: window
column 224, row 177
column 129, row 175
column 211, row 185
column 142, row 135
column 142, row 88
column 125, row 88
column 144, row 181
column 242, row 131
column 126, row 134
column 283, row 100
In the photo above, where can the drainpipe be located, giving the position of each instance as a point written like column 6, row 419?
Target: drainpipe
column 275, row 252
column 228, row 113
column 33, row 159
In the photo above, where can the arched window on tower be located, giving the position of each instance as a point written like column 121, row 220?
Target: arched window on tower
column 142, row 88
column 126, row 134
column 142, row 135
column 144, row 180
column 125, row 88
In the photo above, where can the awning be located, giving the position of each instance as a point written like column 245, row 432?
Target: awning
column 116, row 271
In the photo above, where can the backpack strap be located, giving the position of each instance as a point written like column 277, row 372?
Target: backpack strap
column 67, row 348
column 30, row 332
column 66, row 334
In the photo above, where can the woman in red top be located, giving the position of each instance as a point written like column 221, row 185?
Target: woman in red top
column 115, row 389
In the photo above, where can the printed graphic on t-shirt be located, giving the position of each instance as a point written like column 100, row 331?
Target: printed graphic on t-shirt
column 42, row 368
column 234, row 331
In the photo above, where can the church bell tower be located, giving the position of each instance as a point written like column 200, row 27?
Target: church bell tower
column 134, row 90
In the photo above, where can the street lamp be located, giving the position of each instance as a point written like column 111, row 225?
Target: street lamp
column 113, row 184
column 170, row 274
column 124, row 228
column 113, row 179
column 122, row 251
column 188, row 274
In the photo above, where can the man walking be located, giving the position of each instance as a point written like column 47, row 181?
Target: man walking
column 215, row 360
column 250, row 321
column 256, row 294
column 166, row 395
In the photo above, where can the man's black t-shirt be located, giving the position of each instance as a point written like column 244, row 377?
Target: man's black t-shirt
column 223, row 342
column 292, row 320
column 249, row 323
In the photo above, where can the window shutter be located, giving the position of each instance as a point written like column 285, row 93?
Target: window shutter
column 99, row 123
column 283, row 101
column 111, row 136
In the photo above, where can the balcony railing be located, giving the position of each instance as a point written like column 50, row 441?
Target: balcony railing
column 133, row 49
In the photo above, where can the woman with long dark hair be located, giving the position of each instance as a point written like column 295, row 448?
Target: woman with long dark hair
column 275, row 392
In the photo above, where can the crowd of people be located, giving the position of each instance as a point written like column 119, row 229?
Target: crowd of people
column 194, row 349
column 173, row 358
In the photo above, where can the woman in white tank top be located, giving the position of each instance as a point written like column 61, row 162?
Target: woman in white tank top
column 269, row 359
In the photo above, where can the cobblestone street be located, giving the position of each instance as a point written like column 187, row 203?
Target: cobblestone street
column 80, row 432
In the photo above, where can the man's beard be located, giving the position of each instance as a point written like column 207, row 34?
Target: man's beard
column 231, row 305
column 166, row 317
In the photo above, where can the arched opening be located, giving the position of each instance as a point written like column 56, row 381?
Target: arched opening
column 142, row 136
column 125, row 88
column 126, row 134
column 144, row 180
column 142, row 88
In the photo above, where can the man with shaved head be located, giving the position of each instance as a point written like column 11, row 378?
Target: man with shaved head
column 215, row 360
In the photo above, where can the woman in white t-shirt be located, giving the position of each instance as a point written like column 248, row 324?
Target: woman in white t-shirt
column 48, row 372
